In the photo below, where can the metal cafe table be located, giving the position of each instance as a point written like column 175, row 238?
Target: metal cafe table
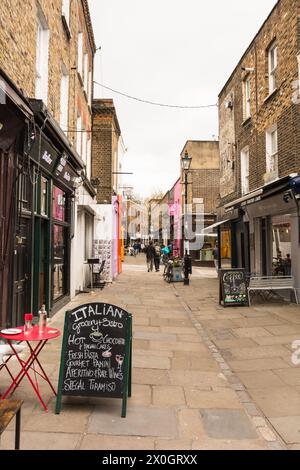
column 32, row 363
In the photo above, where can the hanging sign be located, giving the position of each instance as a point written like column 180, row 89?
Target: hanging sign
column 44, row 153
column 96, row 354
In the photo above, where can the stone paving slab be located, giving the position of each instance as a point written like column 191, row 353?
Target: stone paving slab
column 288, row 427
column 278, row 401
column 289, row 376
column 140, row 421
column 102, row 442
column 197, row 378
column 168, row 396
column 223, row 398
column 151, row 362
column 258, row 364
column 256, row 379
column 41, row 440
column 227, row 424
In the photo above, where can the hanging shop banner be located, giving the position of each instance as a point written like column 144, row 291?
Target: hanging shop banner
column 96, row 354
column 233, row 288
column 65, row 173
column 43, row 153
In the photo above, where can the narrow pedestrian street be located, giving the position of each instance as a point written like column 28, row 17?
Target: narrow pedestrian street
column 203, row 377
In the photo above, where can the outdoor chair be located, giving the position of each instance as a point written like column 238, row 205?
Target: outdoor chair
column 6, row 354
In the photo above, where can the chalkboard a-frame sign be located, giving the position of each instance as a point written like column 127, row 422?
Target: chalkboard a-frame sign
column 96, row 354
column 233, row 288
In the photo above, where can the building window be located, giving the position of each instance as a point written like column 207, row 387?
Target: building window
column 59, row 204
column 245, row 170
column 79, row 135
column 272, row 152
column 80, row 54
column 84, row 146
column 64, row 100
column 66, row 11
column 44, row 196
column 246, row 98
column 59, row 263
column 272, row 67
column 282, row 244
column 90, row 88
column 42, row 49
column 86, row 72
column 89, row 156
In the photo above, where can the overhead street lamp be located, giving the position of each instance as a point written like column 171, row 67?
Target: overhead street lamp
column 186, row 165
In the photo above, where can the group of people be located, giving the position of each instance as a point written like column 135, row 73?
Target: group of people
column 154, row 253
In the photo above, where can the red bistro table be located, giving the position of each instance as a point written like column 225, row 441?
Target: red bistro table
column 33, row 336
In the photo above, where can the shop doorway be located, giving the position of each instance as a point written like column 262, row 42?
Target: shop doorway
column 22, row 272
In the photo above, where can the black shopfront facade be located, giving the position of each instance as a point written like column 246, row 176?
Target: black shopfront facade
column 46, row 173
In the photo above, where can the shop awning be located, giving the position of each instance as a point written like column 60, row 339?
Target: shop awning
column 211, row 228
column 9, row 89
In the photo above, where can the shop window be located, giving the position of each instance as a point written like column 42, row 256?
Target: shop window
column 281, row 232
column 89, row 235
column 59, row 261
column 44, row 196
column 226, row 248
column 59, row 204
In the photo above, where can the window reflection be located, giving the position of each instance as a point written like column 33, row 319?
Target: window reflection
column 282, row 261
column 59, row 204
column 59, row 261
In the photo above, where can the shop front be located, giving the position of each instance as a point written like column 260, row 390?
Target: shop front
column 51, row 179
column 15, row 114
column 265, row 238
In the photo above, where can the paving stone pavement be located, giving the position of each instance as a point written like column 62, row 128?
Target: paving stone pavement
column 196, row 383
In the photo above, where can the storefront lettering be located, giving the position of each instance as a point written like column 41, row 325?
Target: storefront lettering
column 47, row 158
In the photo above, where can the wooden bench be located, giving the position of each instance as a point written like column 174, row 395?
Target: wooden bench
column 8, row 410
column 271, row 283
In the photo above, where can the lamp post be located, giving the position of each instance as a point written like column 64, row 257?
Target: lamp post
column 186, row 164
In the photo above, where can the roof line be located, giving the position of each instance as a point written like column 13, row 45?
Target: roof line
column 249, row 47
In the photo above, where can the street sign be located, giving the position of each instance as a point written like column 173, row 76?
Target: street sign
column 233, row 288
column 96, row 354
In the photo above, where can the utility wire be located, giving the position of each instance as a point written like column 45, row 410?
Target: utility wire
column 152, row 102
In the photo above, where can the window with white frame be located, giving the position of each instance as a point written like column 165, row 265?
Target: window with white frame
column 89, row 156
column 80, row 54
column 64, row 99
column 79, row 135
column 298, row 58
column 272, row 151
column 90, row 91
column 272, row 67
column 245, row 157
column 246, row 98
column 86, row 72
column 42, row 50
column 66, row 11
column 84, row 146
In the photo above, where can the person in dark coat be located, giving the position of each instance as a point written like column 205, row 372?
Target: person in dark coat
column 150, row 255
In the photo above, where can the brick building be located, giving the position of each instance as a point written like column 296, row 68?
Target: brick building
column 203, row 194
column 46, row 73
column 106, row 136
column 107, row 154
column 259, row 151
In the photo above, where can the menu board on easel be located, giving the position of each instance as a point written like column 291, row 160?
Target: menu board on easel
column 233, row 288
column 96, row 354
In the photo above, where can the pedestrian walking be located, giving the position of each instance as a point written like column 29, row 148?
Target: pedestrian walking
column 216, row 257
column 157, row 257
column 150, row 255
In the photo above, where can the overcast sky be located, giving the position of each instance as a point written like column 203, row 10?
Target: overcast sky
column 174, row 52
